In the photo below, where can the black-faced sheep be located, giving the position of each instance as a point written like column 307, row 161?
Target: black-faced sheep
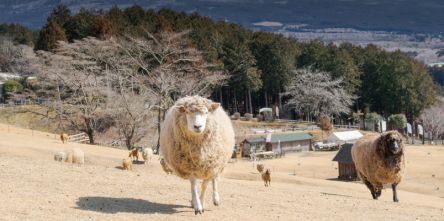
column 379, row 160
column 266, row 177
column 197, row 141
column 64, row 137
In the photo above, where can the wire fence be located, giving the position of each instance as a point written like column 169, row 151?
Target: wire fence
column 23, row 102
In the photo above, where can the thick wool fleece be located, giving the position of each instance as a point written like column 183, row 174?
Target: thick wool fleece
column 374, row 164
column 202, row 156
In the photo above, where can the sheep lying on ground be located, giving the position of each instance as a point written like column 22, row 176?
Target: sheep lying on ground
column 165, row 167
column 74, row 155
column 147, row 154
column 266, row 177
column 260, row 167
column 134, row 154
column 64, row 137
column 196, row 141
column 127, row 164
column 60, row 156
column 379, row 160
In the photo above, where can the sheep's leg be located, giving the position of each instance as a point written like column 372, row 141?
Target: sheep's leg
column 216, row 199
column 378, row 189
column 194, row 197
column 371, row 188
column 202, row 194
column 395, row 195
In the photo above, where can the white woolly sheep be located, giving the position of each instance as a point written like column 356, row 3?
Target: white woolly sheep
column 147, row 154
column 379, row 160
column 75, row 155
column 196, row 141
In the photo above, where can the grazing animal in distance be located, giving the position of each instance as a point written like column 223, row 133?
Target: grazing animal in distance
column 74, row 155
column 260, row 167
column 127, row 164
column 266, row 177
column 196, row 142
column 64, row 137
column 134, row 154
column 379, row 160
column 147, row 154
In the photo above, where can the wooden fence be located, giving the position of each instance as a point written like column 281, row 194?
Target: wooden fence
column 79, row 138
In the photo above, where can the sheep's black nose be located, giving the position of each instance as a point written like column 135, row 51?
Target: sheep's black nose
column 197, row 126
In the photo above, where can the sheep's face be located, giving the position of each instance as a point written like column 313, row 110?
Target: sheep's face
column 393, row 143
column 197, row 117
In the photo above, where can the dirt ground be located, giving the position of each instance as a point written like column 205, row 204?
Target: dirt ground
column 35, row 187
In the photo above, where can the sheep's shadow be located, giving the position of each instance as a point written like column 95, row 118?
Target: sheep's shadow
column 128, row 205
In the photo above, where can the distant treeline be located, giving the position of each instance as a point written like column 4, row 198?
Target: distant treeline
column 261, row 64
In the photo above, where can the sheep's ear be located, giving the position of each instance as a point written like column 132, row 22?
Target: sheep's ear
column 213, row 106
column 181, row 109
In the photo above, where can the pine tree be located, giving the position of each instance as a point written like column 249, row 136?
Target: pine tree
column 49, row 36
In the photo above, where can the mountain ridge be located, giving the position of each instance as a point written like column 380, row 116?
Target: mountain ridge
column 406, row 16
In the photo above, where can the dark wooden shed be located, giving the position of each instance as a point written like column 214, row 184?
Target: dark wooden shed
column 346, row 167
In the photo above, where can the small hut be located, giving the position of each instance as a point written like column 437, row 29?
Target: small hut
column 344, row 136
column 346, row 167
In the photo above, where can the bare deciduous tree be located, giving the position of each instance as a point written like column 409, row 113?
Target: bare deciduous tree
column 80, row 85
column 171, row 68
column 433, row 120
column 314, row 92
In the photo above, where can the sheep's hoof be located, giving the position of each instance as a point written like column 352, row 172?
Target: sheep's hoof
column 395, row 200
column 197, row 211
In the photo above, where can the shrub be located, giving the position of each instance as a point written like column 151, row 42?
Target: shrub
column 248, row 116
column 11, row 87
column 373, row 116
column 397, row 121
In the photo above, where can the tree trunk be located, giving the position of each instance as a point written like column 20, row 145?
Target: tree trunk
column 246, row 104
column 60, row 107
column 235, row 102
column 90, row 130
column 266, row 98
column 158, row 127
column 220, row 98
column 249, row 101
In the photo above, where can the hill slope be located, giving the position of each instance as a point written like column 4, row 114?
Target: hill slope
column 38, row 188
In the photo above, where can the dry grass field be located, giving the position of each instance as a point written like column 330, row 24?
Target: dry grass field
column 303, row 187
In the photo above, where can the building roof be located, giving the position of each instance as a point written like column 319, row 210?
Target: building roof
column 344, row 154
column 287, row 137
column 345, row 136
column 255, row 140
